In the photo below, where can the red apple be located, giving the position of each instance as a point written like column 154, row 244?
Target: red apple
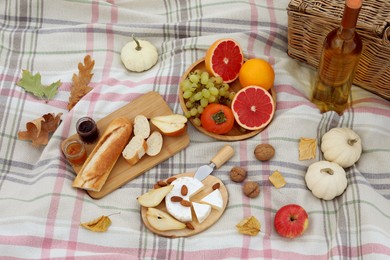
column 291, row 221
column 170, row 125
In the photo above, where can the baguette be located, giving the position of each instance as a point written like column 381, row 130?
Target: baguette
column 135, row 149
column 103, row 157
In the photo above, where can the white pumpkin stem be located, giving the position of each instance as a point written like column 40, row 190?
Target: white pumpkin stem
column 327, row 170
column 138, row 48
column 351, row 142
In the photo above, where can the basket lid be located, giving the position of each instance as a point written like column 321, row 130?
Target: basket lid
column 374, row 17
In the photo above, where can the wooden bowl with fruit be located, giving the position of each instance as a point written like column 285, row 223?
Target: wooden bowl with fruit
column 198, row 89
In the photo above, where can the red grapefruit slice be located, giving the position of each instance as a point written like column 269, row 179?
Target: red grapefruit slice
column 253, row 107
column 224, row 58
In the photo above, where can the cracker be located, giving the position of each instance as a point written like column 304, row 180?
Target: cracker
column 277, row 179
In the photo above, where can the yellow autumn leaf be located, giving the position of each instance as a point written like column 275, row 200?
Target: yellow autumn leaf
column 100, row 224
column 307, row 148
column 249, row 226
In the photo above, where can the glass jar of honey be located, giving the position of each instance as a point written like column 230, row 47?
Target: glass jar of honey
column 75, row 152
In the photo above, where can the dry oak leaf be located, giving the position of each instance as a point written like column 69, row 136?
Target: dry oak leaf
column 307, row 148
column 80, row 81
column 38, row 130
column 249, row 226
column 100, row 224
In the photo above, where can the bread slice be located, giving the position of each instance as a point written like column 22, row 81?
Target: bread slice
column 141, row 126
column 135, row 149
column 103, row 157
column 154, row 142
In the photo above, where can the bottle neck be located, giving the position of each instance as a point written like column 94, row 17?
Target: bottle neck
column 351, row 13
column 350, row 17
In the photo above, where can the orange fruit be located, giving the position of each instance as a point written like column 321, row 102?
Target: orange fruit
column 253, row 107
column 256, row 72
column 224, row 58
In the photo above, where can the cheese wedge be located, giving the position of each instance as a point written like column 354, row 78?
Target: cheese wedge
column 214, row 199
column 202, row 211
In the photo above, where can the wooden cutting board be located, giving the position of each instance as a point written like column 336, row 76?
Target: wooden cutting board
column 150, row 104
column 208, row 222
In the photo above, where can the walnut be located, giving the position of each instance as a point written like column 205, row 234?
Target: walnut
column 238, row 174
column 264, row 152
column 251, row 189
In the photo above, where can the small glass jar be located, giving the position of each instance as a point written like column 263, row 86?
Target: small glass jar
column 75, row 152
column 87, row 130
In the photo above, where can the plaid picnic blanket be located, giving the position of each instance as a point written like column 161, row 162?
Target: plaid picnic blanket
column 40, row 212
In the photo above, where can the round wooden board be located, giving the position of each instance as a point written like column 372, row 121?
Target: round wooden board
column 237, row 133
column 208, row 222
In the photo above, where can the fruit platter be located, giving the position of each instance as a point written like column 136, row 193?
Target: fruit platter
column 203, row 91
column 237, row 132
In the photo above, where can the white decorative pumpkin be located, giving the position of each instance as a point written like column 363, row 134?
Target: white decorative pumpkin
column 326, row 180
column 139, row 55
column 342, row 146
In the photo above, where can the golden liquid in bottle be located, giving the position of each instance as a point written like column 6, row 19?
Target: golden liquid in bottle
column 339, row 59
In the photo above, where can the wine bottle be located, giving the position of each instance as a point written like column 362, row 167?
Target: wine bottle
column 339, row 59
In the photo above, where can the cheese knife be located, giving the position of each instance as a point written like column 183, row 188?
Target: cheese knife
column 223, row 155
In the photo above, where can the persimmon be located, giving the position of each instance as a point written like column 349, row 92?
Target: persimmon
column 217, row 118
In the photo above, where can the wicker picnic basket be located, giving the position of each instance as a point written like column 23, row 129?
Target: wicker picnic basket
column 309, row 21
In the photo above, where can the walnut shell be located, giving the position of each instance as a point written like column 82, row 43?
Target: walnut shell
column 264, row 152
column 251, row 189
column 238, row 174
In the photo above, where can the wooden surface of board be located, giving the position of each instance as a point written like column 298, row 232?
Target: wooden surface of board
column 150, row 104
column 208, row 222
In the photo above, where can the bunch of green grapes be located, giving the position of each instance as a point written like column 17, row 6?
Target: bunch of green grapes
column 199, row 90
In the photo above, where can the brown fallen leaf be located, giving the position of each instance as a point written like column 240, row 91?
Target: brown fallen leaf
column 249, row 226
column 100, row 224
column 38, row 130
column 80, row 81
column 307, row 148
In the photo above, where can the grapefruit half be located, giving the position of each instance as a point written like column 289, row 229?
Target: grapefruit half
column 224, row 58
column 253, row 107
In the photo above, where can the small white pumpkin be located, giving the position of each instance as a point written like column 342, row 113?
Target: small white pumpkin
column 139, row 55
column 326, row 180
column 342, row 146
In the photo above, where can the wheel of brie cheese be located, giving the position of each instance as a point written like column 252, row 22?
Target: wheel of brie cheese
column 202, row 209
column 177, row 210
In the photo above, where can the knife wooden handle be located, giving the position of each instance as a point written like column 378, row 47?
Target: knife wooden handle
column 223, row 156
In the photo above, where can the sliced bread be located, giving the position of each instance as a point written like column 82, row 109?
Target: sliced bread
column 135, row 149
column 141, row 126
column 154, row 142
